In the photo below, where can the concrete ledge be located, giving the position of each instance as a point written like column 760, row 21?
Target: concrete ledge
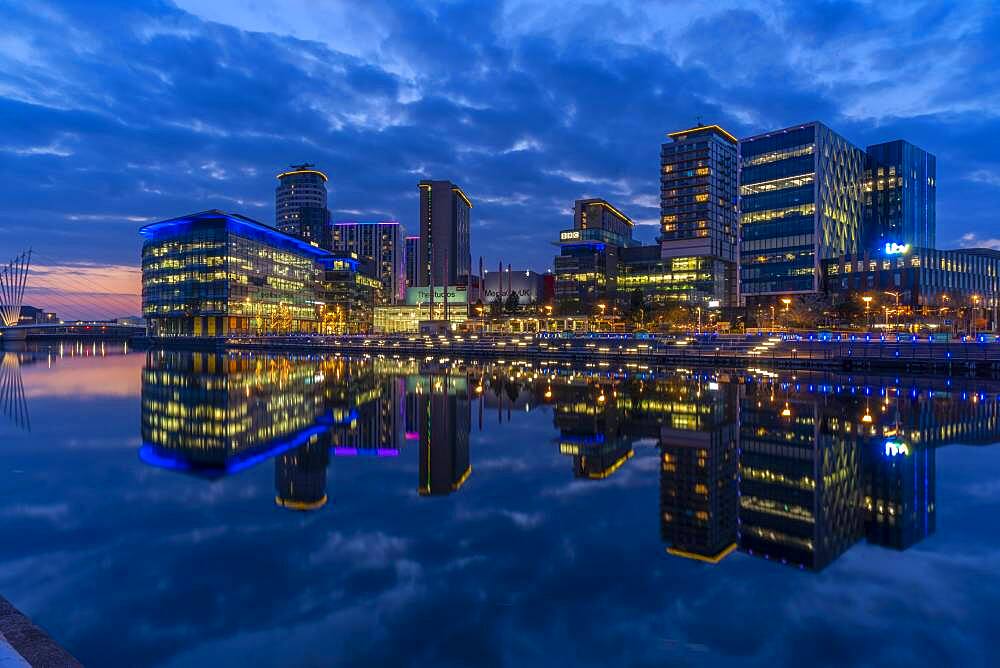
column 29, row 641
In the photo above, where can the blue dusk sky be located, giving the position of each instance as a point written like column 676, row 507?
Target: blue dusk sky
column 113, row 114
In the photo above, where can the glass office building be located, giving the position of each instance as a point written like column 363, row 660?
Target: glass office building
column 215, row 273
column 677, row 280
column 586, row 269
column 900, row 196
column 801, row 202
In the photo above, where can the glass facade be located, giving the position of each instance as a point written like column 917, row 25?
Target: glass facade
column 666, row 281
column 900, row 196
column 586, row 269
column 923, row 277
column 800, row 203
column 214, row 274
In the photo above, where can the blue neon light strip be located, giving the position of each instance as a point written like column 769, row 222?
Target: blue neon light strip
column 234, row 222
column 154, row 456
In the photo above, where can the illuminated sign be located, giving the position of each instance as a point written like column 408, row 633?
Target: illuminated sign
column 457, row 294
column 896, row 448
column 571, row 234
column 715, row 303
column 892, row 248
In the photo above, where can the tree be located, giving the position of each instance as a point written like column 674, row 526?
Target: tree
column 496, row 306
column 512, row 303
column 637, row 308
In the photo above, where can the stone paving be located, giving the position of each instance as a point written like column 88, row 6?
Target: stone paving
column 24, row 644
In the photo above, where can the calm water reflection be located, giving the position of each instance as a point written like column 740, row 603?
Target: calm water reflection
column 185, row 509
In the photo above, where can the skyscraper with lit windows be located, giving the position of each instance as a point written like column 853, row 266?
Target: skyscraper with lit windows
column 300, row 205
column 801, row 202
column 445, row 254
column 900, row 196
column 698, row 216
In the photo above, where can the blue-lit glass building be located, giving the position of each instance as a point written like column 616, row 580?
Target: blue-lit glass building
column 216, row 274
column 586, row 269
column 801, row 202
column 900, row 196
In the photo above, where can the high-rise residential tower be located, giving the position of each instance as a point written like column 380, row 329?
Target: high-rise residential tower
column 801, row 202
column 445, row 218
column 698, row 219
column 380, row 244
column 412, row 260
column 900, row 196
column 300, row 205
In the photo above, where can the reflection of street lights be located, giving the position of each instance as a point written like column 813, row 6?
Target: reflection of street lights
column 867, row 299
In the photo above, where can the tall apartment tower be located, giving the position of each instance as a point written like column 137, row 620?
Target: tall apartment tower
column 445, row 218
column 900, row 196
column 412, row 260
column 698, row 209
column 300, row 205
column 801, row 202
column 381, row 244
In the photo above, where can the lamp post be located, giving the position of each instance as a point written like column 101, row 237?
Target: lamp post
column 867, row 299
column 975, row 310
column 896, row 295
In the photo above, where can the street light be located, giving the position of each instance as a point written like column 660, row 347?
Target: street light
column 896, row 295
column 867, row 299
column 975, row 310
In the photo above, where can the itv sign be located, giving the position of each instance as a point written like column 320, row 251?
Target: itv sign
column 892, row 248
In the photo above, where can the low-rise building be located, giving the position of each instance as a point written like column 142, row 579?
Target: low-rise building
column 215, row 274
column 919, row 280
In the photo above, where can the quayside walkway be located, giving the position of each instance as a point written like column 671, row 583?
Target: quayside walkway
column 24, row 644
column 980, row 355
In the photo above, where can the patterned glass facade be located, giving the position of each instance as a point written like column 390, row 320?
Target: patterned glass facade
column 800, row 203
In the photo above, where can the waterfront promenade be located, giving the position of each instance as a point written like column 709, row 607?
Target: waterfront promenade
column 979, row 355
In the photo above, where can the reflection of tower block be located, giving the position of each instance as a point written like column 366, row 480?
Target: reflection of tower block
column 300, row 476
column 899, row 493
column 698, row 492
column 601, row 462
column 595, row 458
column 444, row 425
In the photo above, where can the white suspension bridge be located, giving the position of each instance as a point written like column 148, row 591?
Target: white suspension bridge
column 79, row 291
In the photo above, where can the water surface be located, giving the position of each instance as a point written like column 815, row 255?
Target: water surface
column 178, row 509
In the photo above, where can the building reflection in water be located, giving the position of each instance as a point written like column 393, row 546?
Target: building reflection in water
column 792, row 472
column 443, row 419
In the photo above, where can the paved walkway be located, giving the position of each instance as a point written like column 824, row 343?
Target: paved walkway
column 24, row 644
column 8, row 657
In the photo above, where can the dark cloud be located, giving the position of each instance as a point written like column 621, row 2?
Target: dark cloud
column 148, row 111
